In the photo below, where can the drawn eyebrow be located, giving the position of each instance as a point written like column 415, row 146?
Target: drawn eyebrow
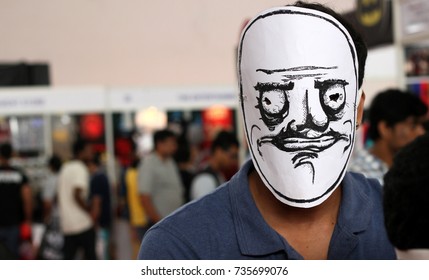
column 263, row 87
column 328, row 83
column 299, row 68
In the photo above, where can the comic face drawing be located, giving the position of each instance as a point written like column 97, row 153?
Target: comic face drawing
column 298, row 94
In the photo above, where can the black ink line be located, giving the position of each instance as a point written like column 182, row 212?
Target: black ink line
column 312, row 168
column 263, row 87
column 251, row 137
column 350, row 137
column 303, row 155
column 299, row 68
column 299, row 77
column 288, row 140
column 323, row 85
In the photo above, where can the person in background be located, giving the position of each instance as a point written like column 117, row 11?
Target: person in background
column 395, row 119
column 300, row 68
column 100, row 201
column 137, row 215
column 50, row 187
column 406, row 200
column 223, row 156
column 77, row 220
column 184, row 159
column 160, row 186
column 15, row 205
column 49, row 242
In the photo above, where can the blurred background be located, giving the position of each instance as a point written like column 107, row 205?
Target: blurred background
column 112, row 72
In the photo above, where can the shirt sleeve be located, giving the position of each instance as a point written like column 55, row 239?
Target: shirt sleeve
column 81, row 177
column 145, row 177
column 202, row 185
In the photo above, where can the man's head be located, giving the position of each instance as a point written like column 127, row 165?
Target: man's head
column 82, row 150
column 406, row 197
column 6, row 151
column 94, row 163
column 300, row 69
column 54, row 163
column 396, row 118
column 224, row 150
column 165, row 142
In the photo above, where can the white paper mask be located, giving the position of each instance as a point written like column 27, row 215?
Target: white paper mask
column 298, row 91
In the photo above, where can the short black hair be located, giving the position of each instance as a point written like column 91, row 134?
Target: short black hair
column 360, row 45
column 78, row 146
column 393, row 106
column 224, row 140
column 55, row 163
column 406, row 196
column 162, row 135
column 6, row 150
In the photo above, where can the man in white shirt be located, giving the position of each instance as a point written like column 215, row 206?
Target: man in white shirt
column 73, row 189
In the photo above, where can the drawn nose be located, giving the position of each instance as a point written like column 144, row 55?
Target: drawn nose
column 311, row 116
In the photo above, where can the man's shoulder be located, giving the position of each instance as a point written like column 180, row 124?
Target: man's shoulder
column 369, row 186
column 148, row 161
column 203, row 177
column 73, row 165
column 189, row 231
column 213, row 207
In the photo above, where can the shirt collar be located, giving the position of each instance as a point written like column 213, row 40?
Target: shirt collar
column 257, row 238
column 356, row 207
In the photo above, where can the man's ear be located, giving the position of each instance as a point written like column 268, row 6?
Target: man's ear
column 359, row 115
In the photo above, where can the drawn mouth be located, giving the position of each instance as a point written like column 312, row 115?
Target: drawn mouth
column 291, row 142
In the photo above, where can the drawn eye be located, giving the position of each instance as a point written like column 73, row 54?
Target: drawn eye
column 334, row 97
column 273, row 106
column 273, row 102
column 333, row 100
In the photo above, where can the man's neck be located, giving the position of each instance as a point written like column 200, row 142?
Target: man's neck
column 308, row 230
column 161, row 155
column 382, row 151
column 214, row 165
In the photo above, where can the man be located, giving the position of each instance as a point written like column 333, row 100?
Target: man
column 138, row 218
column 15, row 204
column 395, row 119
column 223, row 156
column 99, row 197
column 73, row 189
column 160, row 186
column 49, row 188
column 406, row 200
column 300, row 68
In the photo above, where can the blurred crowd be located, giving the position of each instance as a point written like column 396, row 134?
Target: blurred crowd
column 80, row 205
column 73, row 215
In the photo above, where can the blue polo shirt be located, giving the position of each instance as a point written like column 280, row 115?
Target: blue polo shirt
column 226, row 224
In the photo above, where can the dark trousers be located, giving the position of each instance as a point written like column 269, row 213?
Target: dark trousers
column 84, row 240
column 9, row 242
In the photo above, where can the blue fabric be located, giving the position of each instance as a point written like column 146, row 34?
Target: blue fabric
column 100, row 186
column 9, row 237
column 227, row 225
